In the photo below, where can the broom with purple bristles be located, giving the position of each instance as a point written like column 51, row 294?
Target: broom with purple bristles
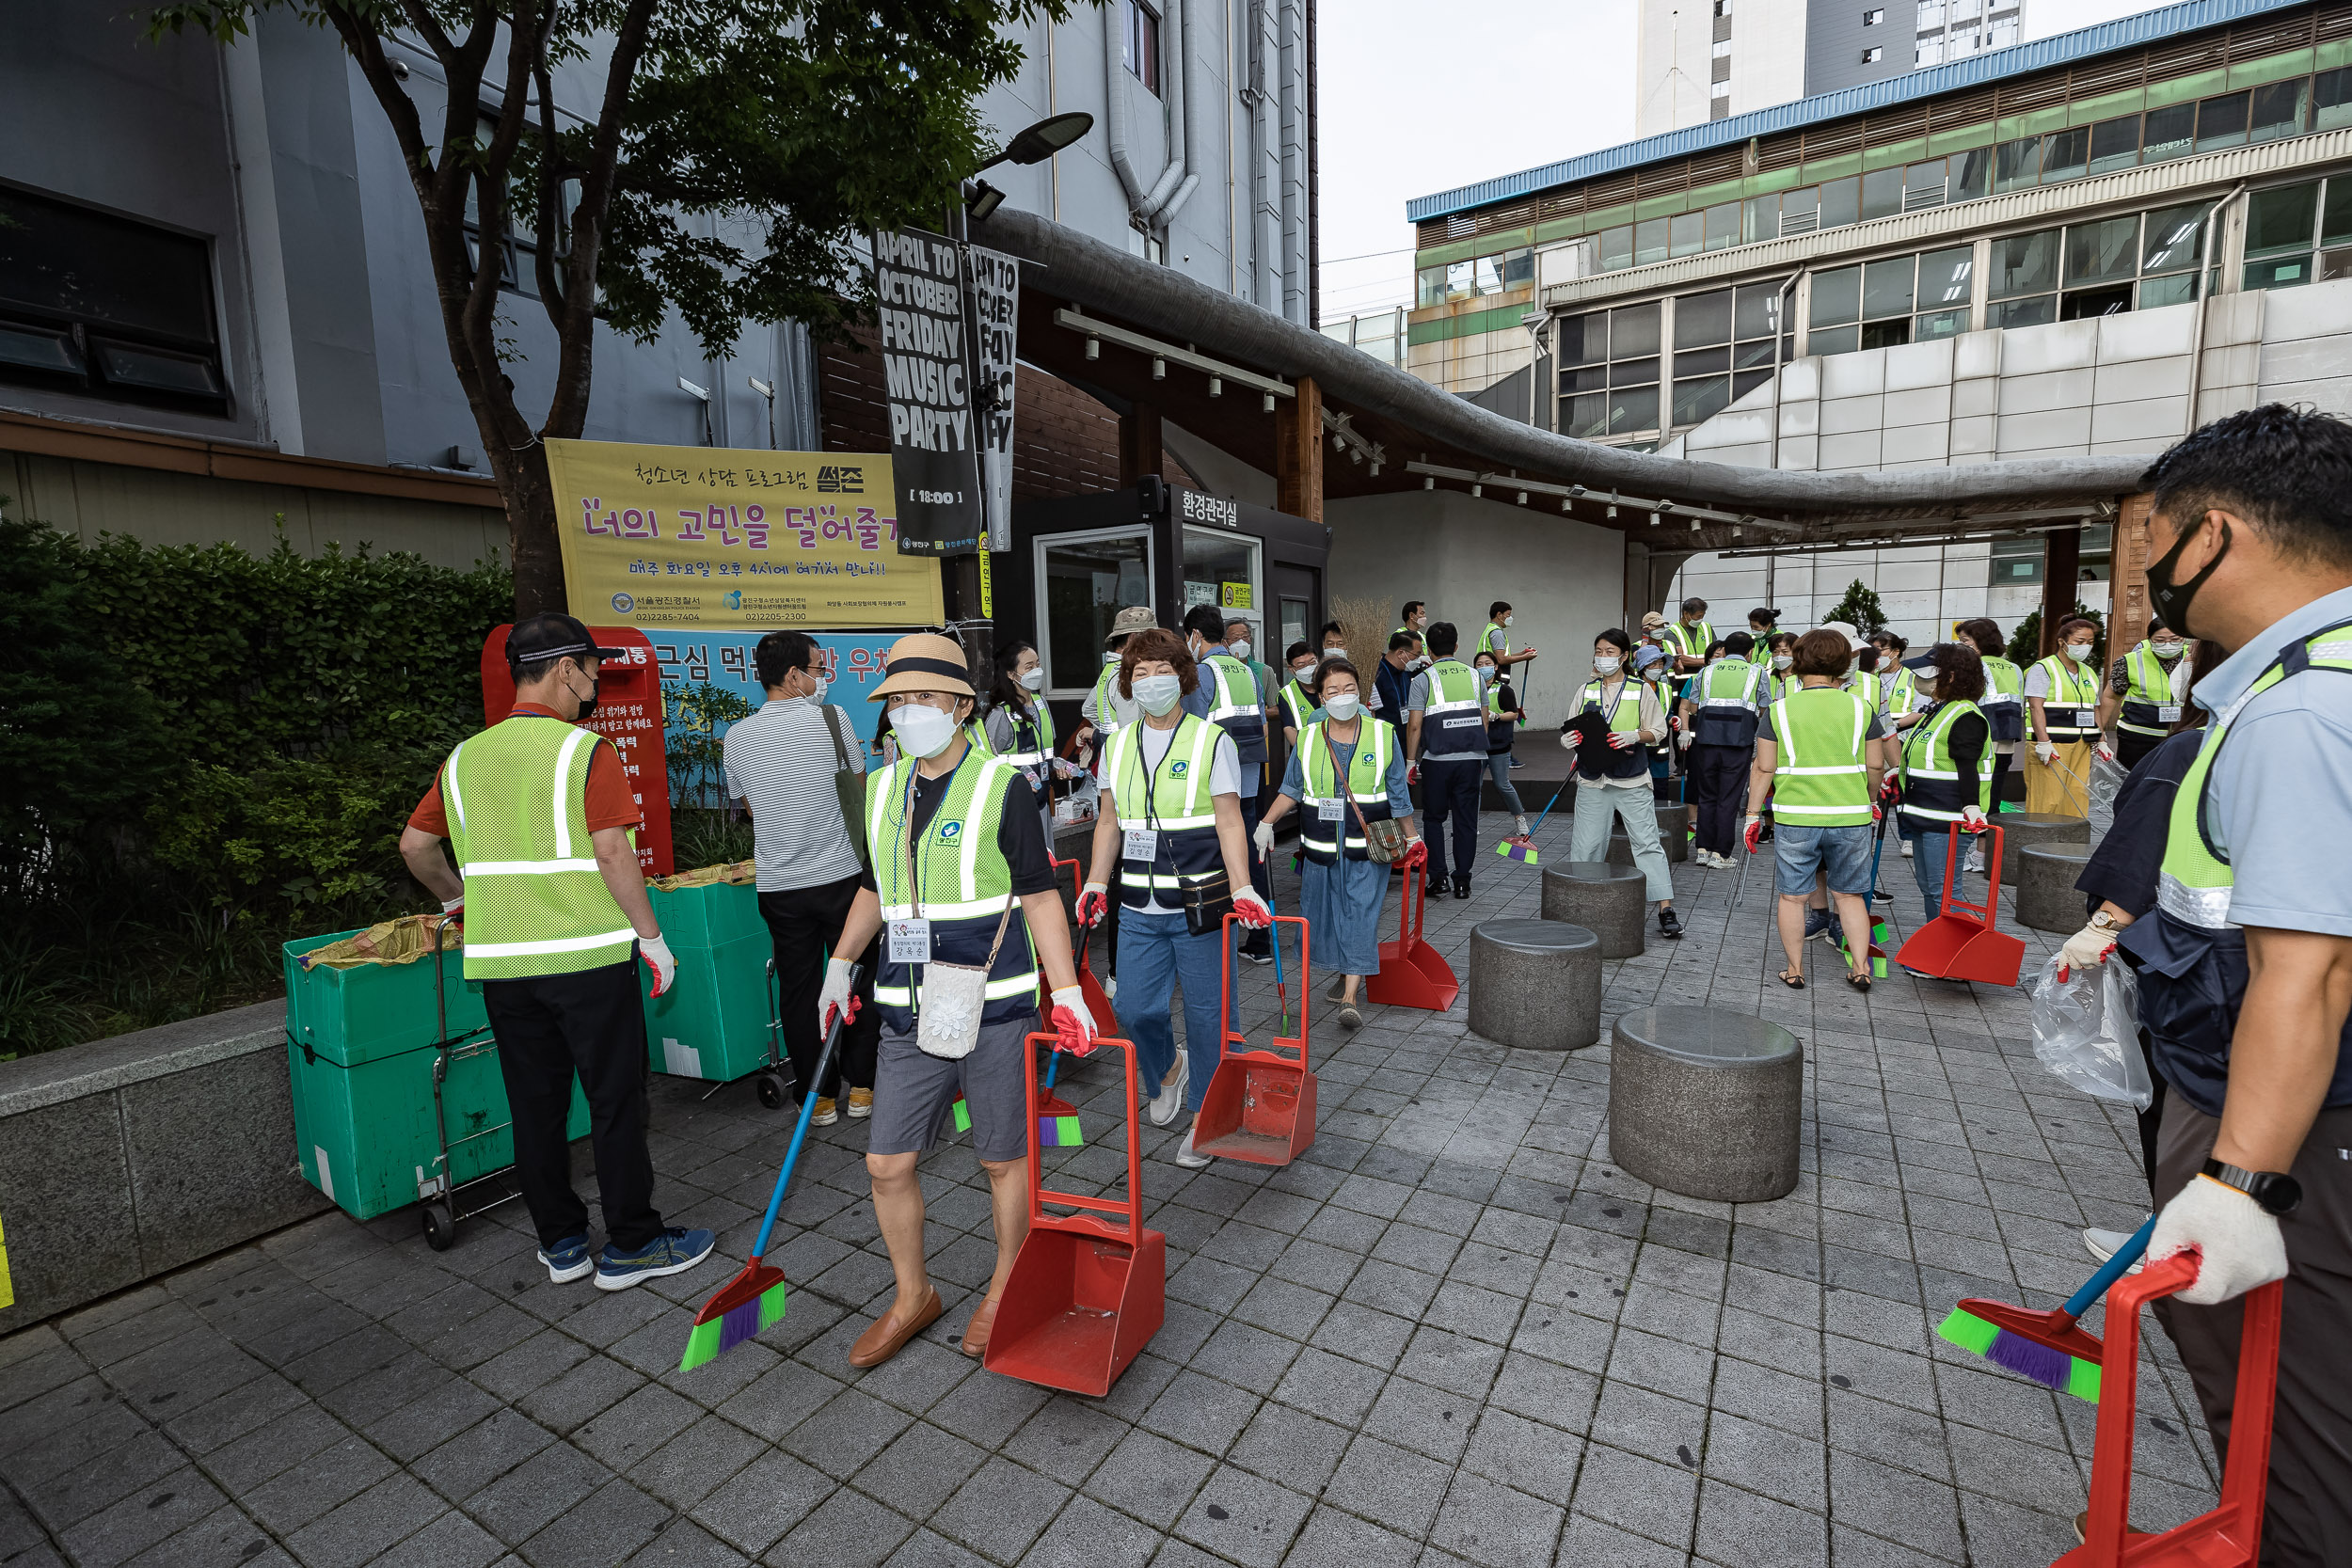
column 754, row 1300
column 2045, row 1346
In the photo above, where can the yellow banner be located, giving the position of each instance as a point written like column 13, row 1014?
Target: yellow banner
column 729, row 538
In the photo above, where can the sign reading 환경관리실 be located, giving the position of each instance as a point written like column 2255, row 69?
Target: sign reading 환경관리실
column 667, row 537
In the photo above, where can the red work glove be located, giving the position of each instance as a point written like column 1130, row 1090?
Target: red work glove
column 1416, row 853
column 658, row 957
column 1093, row 904
column 1252, row 909
column 1753, row 833
column 1074, row 1026
column 1619, row 740
column 1892, row 790
column 1412, row 773
column 1972, row 820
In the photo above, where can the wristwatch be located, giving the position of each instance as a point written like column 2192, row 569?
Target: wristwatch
column 2275, row 1190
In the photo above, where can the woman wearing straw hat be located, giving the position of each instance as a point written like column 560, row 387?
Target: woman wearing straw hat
column 956, row 843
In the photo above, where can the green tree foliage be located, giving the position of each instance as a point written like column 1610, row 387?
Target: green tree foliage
column 710, row 158
column 1859, row 609
column 2024, row 643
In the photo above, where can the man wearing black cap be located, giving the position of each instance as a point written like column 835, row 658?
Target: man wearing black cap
column 541, row 817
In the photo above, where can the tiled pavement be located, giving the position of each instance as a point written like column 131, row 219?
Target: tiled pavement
column 1454, row 1331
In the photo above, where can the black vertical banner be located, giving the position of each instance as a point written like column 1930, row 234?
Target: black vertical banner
column 935, row 429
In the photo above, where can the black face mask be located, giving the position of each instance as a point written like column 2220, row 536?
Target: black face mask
column 2171, row 600
column 587, row 706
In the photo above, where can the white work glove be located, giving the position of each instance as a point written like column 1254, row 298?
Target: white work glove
column 1683, row 739
column 2045, row 752
column 833, row 996
column 1251, row 907
column 2239, row 1240
column 1263, row 839
column 1568, row 740
column 2085, row 949
column 1074, row 1026
column 2103, row 751
column 658, row 959
column 1620, row 741
column 1972, row 819
column 1095, row 903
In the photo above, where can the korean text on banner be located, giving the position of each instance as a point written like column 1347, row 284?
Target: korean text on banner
column 996, row 315
column 665, row 537
column 927, row 361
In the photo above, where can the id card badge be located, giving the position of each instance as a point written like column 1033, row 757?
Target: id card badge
column 2167, row 713
column 1331, row 811
column 1143, row 844
column 910, row 941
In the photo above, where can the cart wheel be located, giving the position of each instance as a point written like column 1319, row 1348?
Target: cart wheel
column 771, row 1089
column 440, row 1226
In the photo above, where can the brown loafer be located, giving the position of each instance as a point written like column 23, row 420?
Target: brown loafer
column 881, row 1341
column 975, row 1342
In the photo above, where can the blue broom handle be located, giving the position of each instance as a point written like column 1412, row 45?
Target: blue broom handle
column 799, row 1132
column 2109, row 1272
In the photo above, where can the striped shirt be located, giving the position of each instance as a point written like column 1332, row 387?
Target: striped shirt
column 780, row 762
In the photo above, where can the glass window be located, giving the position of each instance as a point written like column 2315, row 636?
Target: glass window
column 1939, row 324
column 1139, row 44
column 107, row 306
column 2101, row 252
column 1088, row 581
column 2016, row 164
column 2024, row 264
column 2168, row 132
column 1945, row 276
column 2066, row 155
column 1836, row 298
column 1701, row 361
column 1923, row 185
column 2021, row 312
column 1744, row 382
column 1931, row 14
column 1633, row 412
column 2221, row 122
column 2096, row 302
column 2157, row 293
column 2279, row 272
column 2280, row 220
column 1489, row 275
column 1759, row 218
column 2335, row 216
column 1723, row 225
column 1649, row 242
column 1461, row 279
column 1429, row 287
column 1695, row 401
column 1616, row 248
column 1586, row 378
column 1841, row 202
column 1887, row 334
column 1701, row 321
column 2333, row 264
column 1926, row 54
column 1882, row 192
column 2279, row 109
column 2175, row 238
column 1634, row 331
column 1757, row 311
column 1583, row 340
column 1834, row 340
column 1519, row 269
column 1971, row 175
column 1587, row 416
column 1801, row 211
column 1632, row 372
column 1220, row 568
column 1886, row 288
column 2331, row 100
column 1687, row 233
column 2114, row 144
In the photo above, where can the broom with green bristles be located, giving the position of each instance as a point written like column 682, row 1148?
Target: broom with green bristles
column 754, row 1300
column 2045, row 1346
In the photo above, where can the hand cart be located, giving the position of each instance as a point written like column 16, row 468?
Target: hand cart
column 440, row 1195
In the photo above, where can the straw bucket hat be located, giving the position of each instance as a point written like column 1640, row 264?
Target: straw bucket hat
column 925, row 661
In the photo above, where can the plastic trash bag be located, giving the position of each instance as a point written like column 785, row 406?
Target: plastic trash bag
column 706, row 876
column 2086, row 1030
column 2107, row 780
column 401, row 940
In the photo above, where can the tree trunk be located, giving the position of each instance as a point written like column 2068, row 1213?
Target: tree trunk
column 531, row 524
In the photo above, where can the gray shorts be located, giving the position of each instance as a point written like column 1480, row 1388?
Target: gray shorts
column 915, row 1094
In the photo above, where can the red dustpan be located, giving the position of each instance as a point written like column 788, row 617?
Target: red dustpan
column 1261, row 1104
column 1087, row 1289
column 1960, row 943
column 2228, row 1536
column 1412, row 972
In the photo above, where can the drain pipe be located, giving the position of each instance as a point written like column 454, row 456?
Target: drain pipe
column 2204, row 303
column 1189, row 160
column 1142, row 203
column 1780, row 336
column 1265, row 231
column 1293, row 203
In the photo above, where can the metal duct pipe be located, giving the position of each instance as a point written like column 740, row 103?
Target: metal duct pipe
column 1265, row 167
column 1293, row 66
column 1189, row 160
column 1140, row 203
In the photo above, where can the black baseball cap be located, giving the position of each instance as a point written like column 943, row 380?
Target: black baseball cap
column 545, row 637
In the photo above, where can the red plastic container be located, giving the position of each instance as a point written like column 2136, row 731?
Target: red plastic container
column 1261, row 1104
column 2231, row 1536
column 1412, row 972
column 1960, row 943
column 1087, row 1289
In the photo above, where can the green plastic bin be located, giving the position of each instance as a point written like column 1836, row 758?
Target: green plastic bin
column 360, row 1055
column 711, row 915
column 713, row 1022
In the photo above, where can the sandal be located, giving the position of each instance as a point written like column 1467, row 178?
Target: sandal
column 1858, row 978
column 1793, row 981
column 1349, row 1018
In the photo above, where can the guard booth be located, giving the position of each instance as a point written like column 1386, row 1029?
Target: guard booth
column 1077, row 560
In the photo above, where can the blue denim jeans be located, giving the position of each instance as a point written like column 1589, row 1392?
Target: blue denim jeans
column 1155, row 954
column 1928, row 846
column 1843, row 853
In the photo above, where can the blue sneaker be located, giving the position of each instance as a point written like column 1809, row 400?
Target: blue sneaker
column 674, row 1251
column 1817, row 924
column 568, row 1259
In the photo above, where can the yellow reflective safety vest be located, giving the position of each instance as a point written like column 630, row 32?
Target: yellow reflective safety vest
column 1366, row 784
column 2071, row 711
column 1173, row 800
column 1932, row 790
column 959, row 881
column 2148, row 705
column 1820, row 779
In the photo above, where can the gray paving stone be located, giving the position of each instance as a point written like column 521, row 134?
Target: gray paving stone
column 319, row 1483
column 846, row 1530
column 150, row 1513
column 1291, row 1447
column 1391, row 1486
column 479, row 1454
column 224, row 1538
column 601, row 1530
column 1637, row 1493
column 1244, row 1518
column 1150, row 1477
column 521, row 1503
column 451, row 1541
column 1337, row 1539
column 1000, row 1510
column 357, row 1530
column 1742, row 1530
column 754, row 1508
column 1486, row 1522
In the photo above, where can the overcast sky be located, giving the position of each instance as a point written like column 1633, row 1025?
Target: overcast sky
column 1416, row 101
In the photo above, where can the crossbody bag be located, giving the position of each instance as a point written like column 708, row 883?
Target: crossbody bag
column 849, row 782
column 1384, row 840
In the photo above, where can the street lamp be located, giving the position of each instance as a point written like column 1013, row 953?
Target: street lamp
column 1034, row 145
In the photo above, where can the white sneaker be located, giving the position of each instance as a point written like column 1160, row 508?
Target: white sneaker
column 2103, row 1245
column 1188, row 1158
column 1907, row 843
column 1976, row 859
column 1170, row 1100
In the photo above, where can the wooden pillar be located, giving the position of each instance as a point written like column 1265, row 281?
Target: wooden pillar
column 1298, row 452
column 2127, row 596
column 1139, row 450
column 2061, row 564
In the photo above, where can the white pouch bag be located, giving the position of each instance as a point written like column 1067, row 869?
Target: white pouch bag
column 951, row 998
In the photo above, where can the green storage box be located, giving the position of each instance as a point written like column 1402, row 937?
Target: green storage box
column 713, row 1022
column 360, row 1055
column 710, row 915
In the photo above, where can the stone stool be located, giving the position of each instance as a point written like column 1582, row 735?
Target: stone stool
column 2047, row 900
column 2021, row 827
column 1608, row 900
column 1706, row 1103
column 1674, row 836
column 1535, row 984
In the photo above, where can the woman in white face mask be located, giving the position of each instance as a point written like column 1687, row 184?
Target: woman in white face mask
column 1613, row 775
column 1019, row 726
column 1171, row 822
column 2062, row 719
column 1342, row 773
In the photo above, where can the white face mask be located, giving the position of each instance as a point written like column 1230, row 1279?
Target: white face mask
column 1607, row 666
column 1335, row 652
column 922, row 730
column 1506, row 620
column 1419, row 662
column 1240, row 650
column 1303, row 672
column 2168, row 650
column 1343, row 705
column 1781, row 661
column 1034, row 680
column 2079, row 651
column 817, row 692
column 1158, row 693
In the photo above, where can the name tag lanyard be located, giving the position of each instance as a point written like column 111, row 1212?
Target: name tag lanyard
column 1143, row 843
column 910, row 940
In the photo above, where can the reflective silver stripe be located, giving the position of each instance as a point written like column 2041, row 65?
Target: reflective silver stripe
column 970, row 909
column 1933, row 773
column 526, row 868
column 1997, row 699
column 1780, row 810
column 552, row 944
column 448, row 787
column 1910, row 810
column 562, row 818
column 1812, row 772
column 2205, row 906
column 2137, row 729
